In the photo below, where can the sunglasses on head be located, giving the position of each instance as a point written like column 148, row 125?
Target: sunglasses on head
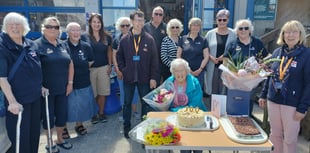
column 52, row 27
column 175, row 27
column 243, row 28
column 158, row 14
column 125, row 25
column 221, row 20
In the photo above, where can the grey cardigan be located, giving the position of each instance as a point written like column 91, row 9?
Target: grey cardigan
column 211, row 38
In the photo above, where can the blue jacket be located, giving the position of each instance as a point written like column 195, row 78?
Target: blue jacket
column 295, row 90
column 193, row 91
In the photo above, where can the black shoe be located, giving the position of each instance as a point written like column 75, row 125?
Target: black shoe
column 95, row 119
column 126, row 133
column 102, row 118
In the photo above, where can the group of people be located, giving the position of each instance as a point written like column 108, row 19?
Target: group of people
column 74, row 74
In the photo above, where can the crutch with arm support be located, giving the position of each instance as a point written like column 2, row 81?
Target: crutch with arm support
column 49, row 135
column 19, row 120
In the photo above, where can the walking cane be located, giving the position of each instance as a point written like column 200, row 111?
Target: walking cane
column 19, row 120
column 50, row 142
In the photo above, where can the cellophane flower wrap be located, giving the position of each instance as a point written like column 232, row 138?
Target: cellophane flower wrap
column 154, row 131
column 245, row 75
column 161, row 98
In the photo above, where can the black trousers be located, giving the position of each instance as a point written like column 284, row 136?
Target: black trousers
column 29, row 128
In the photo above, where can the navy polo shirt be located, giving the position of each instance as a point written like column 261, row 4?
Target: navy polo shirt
column 55, row 62
column 236, row 49
column 158, row 33
column 100, row 50
column 192, row 50
column 28, row 75
column 81, row 55
column 116, row 42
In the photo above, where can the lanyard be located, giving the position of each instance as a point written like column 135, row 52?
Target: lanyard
column 283, row 70
column 136, row 44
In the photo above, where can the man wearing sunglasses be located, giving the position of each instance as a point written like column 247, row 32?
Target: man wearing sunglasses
column 157, row 28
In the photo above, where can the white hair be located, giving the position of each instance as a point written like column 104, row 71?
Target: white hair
column 179, row 62
column 14, row 17
column 119, row 22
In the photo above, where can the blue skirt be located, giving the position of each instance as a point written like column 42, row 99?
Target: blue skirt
column 81, row 105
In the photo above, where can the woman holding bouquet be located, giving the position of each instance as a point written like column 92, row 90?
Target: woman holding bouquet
column 245, row 46
column 287, row 91
column 188, row 89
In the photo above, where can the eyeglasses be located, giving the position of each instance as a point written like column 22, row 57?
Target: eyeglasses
column 158, row 14
column 295, row 32
column 243, row 28
column 52, row 27
column 175, row 27
column 221, row 20
column 125, row 25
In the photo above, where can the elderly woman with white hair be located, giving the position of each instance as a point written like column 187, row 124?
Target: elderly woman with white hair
column 81, row 99
column 169, row 45
column 188, row 89
column 123, row 25
column 245, row 46
column 20, row 69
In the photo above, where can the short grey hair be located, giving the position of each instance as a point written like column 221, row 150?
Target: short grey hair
column 248, row 22
column 69, row 25
column 174, row 21
column 179, row 62
column 14, row 17
column 194, row 21
column 119, row 22
column 223, row 12
column 47, row 20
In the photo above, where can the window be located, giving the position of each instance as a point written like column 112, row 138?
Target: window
column 12, row 3
column 72, row 3
column 119, row 3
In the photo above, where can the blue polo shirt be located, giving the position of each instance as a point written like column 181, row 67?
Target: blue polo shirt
column 192, row 50
column 28, row 75
column 81, row 55
column 100, row 50
column 240, row 52
column 55, row 62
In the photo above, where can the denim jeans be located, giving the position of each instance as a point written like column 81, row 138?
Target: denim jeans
column 129, row 89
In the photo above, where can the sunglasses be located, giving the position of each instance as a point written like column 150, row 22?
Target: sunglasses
column 125, row 25
column 243, row 28
column 52, row 27
column 221, row 20
column 158, row 14
column 175, row 27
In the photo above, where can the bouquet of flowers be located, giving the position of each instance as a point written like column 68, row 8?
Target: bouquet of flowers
column 155, row 131
column 161, row 97
column 245, row 75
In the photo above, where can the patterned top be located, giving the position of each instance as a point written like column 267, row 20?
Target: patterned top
column 168, row 51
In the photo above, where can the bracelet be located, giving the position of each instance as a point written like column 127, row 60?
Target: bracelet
column 70, row 82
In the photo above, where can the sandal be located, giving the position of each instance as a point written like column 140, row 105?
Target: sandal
column 65, row 145
column 65, row 134
column 54, row 149
column 80, row 130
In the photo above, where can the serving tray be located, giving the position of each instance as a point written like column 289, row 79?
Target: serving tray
column 241, row 138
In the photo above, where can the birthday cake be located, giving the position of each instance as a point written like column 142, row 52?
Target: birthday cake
column 190, row 117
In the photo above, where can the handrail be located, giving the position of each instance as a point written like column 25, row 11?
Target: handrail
column 308, row 40
column 269, row 39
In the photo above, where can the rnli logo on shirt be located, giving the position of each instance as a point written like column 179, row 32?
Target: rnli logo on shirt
column 49, row 51
column 252, row 48
column 145, row 48
column 186, row 42
column 198, row 43
column 33, row 54
column 64, row 51
column 162, row 31
column 294, row 64
column 238, row 48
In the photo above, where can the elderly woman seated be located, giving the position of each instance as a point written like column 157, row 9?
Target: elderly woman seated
column 188, row 90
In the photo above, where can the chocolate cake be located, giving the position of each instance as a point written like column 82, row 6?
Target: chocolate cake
column 244, row 125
